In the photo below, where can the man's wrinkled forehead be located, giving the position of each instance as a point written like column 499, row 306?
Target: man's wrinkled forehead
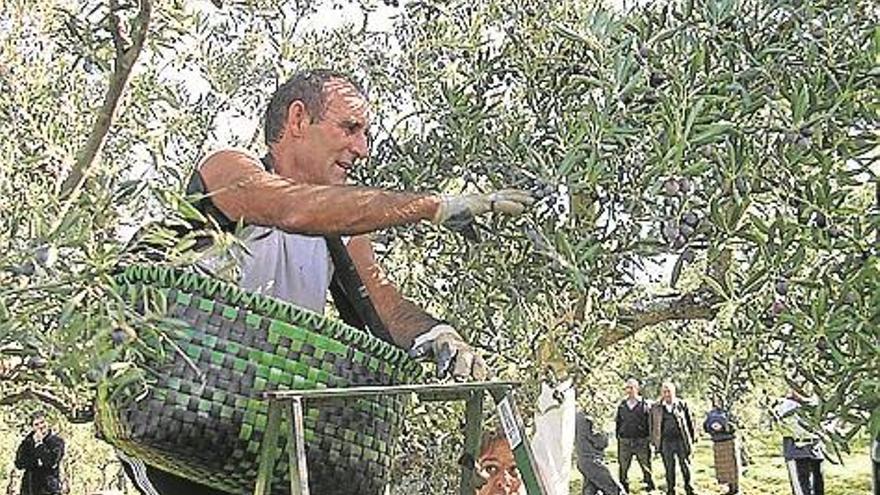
column 341, row 92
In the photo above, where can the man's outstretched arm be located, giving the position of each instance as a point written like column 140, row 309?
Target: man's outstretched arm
column 242, row 190
column 411, row 327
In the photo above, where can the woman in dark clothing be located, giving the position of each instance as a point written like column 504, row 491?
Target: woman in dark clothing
column 720, row 427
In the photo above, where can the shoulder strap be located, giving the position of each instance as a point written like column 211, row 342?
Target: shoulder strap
column 203, row 203
column 352, row 287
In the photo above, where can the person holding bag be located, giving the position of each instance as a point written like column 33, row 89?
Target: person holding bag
column 720, row 427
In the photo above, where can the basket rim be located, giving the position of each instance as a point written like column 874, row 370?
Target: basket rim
column 265, row 306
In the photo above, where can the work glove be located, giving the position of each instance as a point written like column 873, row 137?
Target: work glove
column 450, row 353
column 457, row 211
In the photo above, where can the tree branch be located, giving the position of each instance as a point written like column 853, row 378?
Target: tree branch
column 699, row 305
column 702, row 304
column 71, row 412
column 116, row 31
column 125, row 59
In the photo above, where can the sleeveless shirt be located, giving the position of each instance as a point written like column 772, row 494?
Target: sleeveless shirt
column 292, row 267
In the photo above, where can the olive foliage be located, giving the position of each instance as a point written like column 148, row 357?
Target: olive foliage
column 702, row 160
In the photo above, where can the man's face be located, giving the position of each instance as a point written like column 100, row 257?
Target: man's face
column 667, row 394
column 331, row 145
column 40, row 426
column 498, row 463
column 632, row 390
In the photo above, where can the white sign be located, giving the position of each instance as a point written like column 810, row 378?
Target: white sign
column 508, row 422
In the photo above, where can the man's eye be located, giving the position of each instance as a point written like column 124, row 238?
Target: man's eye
column 492, row 470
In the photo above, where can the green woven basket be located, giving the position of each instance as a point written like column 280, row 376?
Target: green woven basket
column 207, row 425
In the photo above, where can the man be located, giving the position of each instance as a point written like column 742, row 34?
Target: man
column 633, row 434
column 316, row 128
column 590, row 445
column 800, row 448
column 40, row 454
column 673, row 433
column 497, row 469
column 720, row 426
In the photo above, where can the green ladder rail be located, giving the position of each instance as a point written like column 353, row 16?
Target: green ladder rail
column 290, row 403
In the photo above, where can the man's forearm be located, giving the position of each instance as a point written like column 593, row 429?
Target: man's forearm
column 323, row 210
column 244, row 192
column 407, row 321
column 403, row 318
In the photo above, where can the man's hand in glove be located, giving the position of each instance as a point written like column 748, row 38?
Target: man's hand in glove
column 457, row 211
column 450, row 352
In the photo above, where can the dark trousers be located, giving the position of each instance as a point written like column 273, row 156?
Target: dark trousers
column 597, row 478
column 805, row 476
column 640, row 448
column 670, row 449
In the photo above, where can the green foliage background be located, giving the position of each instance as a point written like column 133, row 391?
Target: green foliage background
column 710, row 209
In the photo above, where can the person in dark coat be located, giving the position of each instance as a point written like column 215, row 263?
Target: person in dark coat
column 673, row 433
column 632, row 426
column 40, row 454
column 801, row 448
column 590, row 446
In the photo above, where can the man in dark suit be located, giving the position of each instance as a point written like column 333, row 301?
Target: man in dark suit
column 673, row 433
column 40, row 454
column 632, row 426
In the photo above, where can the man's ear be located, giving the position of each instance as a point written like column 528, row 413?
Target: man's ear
column 297, row 118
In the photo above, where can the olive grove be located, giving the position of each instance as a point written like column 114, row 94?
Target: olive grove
column 709, row 164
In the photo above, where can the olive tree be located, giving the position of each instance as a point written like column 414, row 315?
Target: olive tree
column 734, row 142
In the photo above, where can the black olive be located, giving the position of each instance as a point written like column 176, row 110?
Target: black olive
column 656, row 79
column 782, row 287
column 671, row 187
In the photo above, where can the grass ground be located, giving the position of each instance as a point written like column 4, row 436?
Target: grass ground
column 766, row 475
column 92, row 466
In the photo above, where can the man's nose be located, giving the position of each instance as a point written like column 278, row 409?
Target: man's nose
column 360, row 145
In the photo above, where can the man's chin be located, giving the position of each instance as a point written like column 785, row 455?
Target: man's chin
column 340, row 180
column 339, row 177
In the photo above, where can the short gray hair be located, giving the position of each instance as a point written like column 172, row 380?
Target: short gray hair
column 307, row 87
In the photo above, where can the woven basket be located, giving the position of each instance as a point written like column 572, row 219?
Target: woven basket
column 207, row 426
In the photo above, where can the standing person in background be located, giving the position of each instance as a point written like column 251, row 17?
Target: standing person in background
column 720, row 427
column 632, row 426
column 801, row 449
column 590, row 446
column 40, row 454
column 673, row 433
